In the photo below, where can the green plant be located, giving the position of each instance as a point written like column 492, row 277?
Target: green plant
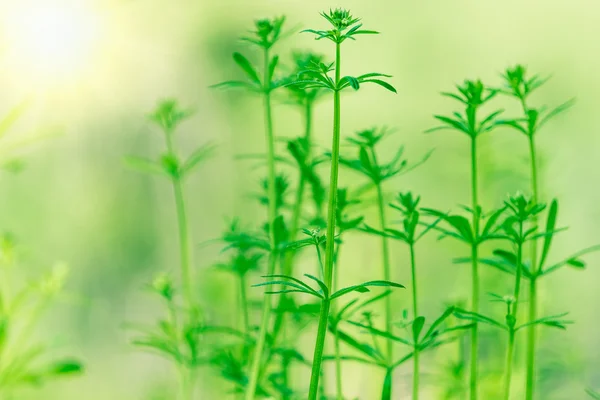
column 518, row 232
column 520, row 86
column 473, row 95
column 344, row 26
column 410, row 234
column 593, row 394
column 367, row 163
column 176, row 337
column 25, row 360
column 267, row 34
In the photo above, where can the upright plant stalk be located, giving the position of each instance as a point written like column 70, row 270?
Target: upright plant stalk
column 509, row 363
column 168, row 115
column 186, row 375
column 330, row 241
column 272, row 194
column 532, row 330
column 416, row 369
column 299, row 201
column 473, row 95
column 288, row 262
column 386, row 266
column 184, row 236
column 512, row 318
column 473, row 380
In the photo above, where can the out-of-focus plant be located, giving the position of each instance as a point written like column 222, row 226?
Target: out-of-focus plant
column 473, row 95
column 519, row 85
column 367, row 163
column 26, row 359
column 178, row 336
column 267, row 33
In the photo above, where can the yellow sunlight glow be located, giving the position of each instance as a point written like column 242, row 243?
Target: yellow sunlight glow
column 49, row 39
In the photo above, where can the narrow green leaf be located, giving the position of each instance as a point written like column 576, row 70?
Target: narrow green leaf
column 247, row 67
column 550, row 225
column 417, row 327
column 382, row 84
column 145, row 165
column 363, row 287
column 196, row 157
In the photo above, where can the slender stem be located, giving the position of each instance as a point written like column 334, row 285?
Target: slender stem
column 319, row 347
column 518, row 275
column 474, row 271
column 299, row 201
column 413, row 269
column 272, row 193
column 513, row 313
column 386, row 267
column 336, row 339
column 532, row 330
column 186, row 377
column 184, row 242
column 288, row 262
column 330, row 245
column 531, row 340
column 509, row 362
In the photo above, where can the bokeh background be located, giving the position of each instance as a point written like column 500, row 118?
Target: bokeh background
column 76, row 202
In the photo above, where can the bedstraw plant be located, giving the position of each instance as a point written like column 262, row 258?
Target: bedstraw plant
column 520, row 86
column 308, row 218
column 267, row 33
column 343, row 26
column 473, row 95
column 176, row 337
column 27, row 359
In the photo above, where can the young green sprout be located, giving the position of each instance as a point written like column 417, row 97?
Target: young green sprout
column 343, row 26
column 267, row 33
column 367, row 163
column 473, row 95
column 168, row 116
column 26, row 360
column 410, row 233
column 520, row 86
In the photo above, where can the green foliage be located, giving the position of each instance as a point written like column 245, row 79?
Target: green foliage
column 473, row 95
column 366, row 162
column 25, row 358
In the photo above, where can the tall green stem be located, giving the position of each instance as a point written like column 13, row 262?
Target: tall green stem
column 531, row 331
column 518, row 275
column 272, row 193
column 386, row 267
column 186, row 375
column 513, row 313
column 474, row 271
column 299, row 201
column 184, row 242
column 413, row 270
column 184, row 235
column 330, row 244
column 509, row 362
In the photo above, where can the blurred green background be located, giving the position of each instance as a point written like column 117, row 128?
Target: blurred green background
column 76, row 201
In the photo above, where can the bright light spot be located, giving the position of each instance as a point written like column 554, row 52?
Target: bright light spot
column 49, row 39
